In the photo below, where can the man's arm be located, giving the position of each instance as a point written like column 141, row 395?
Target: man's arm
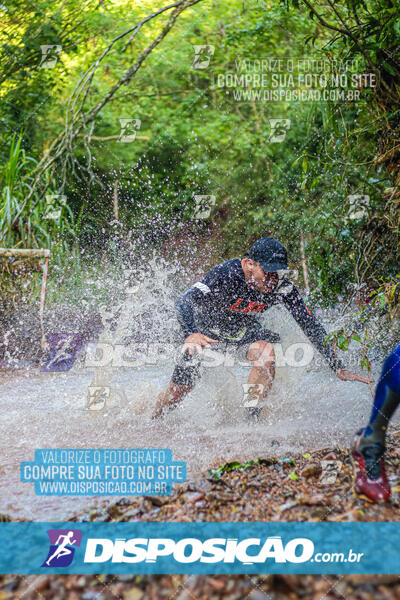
column 315, row 332
column 311, row 327
column 193, row 298
column 198, row 296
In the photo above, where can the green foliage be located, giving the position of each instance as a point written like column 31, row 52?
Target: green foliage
column 196, row 137
column 231, row 466
column 341, row 339
column 33, row 229
column 235, row 465
column 387, row 296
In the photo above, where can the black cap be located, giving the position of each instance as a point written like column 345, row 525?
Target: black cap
column 270, row 254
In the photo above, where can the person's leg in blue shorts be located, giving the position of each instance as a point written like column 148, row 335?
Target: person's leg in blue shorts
column 369, row 443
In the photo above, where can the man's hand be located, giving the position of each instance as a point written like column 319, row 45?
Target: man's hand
column 197, row 341
column 350, row 376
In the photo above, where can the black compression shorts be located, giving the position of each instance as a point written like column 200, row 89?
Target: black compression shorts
column 187, row 368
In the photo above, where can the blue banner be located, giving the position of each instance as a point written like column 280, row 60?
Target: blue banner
column 214, row 548
column 103, row 472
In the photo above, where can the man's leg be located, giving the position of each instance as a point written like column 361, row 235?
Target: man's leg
column 369, row 444
column 170, row 398
column 185, row 374
column 262, row 356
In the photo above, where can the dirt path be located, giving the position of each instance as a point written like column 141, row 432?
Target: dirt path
column 264, row 491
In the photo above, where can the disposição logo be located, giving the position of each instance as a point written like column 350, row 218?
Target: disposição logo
column 62, row 547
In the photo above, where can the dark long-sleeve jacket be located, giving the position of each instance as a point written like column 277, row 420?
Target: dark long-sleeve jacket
column 222, row 301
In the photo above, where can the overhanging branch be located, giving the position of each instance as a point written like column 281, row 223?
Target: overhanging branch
column 77, row 120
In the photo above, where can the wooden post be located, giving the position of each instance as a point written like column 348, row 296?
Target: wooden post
column 115, row 200
column 44, row 266
column 303, row 261
column 26, row 253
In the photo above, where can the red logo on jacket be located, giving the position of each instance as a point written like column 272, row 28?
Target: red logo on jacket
column 251, row 307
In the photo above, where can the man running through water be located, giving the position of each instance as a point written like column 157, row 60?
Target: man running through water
column 369, row 443
column 222, row 310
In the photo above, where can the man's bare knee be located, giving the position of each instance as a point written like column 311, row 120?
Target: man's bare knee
column 176, row 391
column 262, row 354
column 180, row 390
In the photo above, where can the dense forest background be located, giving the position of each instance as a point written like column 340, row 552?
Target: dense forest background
column 63, row 163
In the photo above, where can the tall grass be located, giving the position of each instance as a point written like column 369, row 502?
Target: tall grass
column 38, row 226
column 34, row 228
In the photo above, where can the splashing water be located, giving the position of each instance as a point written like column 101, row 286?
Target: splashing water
column 307, row 407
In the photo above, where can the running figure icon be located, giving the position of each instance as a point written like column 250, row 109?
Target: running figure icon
column 62, row 549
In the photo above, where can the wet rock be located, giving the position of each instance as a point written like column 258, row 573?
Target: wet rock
column 342, row 588
column 201, row 485
column 313, row 499
column 92, row 595
column 133, row 594
column 185, row 595
column 293, row 582
column 321, row 587
column 375, row 579
column 12, row 585
column 329, row 456
column 130, row 514
column 157, row 500
column 350, row 515
column 219, row 497
column 217, row 584
column 179, row 515
column 317, row 499
column 311, row 470
column 38, row 584
column 258, row 595
column 288, row 505
column 192, row 497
